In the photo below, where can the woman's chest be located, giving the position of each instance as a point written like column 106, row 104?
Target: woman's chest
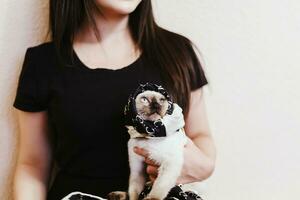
column 80, row 99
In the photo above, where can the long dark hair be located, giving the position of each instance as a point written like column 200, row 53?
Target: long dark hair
column 171, row 52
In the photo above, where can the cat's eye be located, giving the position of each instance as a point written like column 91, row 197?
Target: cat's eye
column 144, row 99
column 162, row 99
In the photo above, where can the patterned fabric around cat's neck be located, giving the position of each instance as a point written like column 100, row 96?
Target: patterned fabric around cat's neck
column 151, row 128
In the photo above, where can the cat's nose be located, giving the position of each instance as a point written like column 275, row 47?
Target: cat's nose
column 155, row 105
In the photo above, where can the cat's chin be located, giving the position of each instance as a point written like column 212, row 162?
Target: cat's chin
column 153, row 117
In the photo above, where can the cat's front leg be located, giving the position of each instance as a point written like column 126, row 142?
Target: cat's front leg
column 168, row 172
column 137, row 175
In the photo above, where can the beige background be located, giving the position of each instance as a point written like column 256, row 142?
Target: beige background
column 251, row 49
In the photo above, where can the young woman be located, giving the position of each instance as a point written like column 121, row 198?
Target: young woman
column 72, row 91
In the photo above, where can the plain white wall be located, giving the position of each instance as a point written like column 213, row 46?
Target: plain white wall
column 251, row 51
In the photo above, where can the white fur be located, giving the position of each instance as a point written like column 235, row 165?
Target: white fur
column 167, row 152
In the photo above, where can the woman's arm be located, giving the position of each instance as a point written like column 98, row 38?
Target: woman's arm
column 200, row 151
column 34, row 158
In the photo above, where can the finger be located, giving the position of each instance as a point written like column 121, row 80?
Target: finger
column 189, row 142
column 152, row 178
column 152, row 170
column 150, row 162
column 140, row 151
column 180, row 180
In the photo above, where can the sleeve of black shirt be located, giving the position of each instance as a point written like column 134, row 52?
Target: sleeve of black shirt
column 197, row 75
column 28, row 96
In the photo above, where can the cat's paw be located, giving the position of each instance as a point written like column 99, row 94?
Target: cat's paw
column 117, row 195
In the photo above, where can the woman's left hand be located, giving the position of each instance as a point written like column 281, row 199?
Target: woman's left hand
column 196, row 166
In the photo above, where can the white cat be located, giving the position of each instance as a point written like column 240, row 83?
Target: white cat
column 157, row 126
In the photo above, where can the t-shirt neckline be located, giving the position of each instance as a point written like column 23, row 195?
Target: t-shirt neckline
column 124, row 68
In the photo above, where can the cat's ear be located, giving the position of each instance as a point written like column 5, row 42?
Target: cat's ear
column 170, row 108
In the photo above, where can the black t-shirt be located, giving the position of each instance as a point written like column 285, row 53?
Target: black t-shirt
column 85, row 108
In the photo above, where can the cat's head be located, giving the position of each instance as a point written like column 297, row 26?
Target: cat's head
column 151, row 105
column 145, row 109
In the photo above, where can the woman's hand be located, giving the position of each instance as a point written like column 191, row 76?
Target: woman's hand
column 196, row 166
column 152, row 167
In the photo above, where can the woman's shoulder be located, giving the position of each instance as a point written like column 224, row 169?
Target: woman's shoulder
column 178, row 41
column 42, row 55
column 169, row 35
column 42, row 49
column 39, row 62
